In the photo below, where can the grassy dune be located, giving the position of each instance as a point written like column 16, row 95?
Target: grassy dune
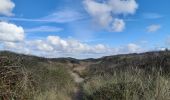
column 32, row 78
column 123, row 77
column 128, row 85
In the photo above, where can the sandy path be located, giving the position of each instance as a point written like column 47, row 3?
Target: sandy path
column 76, row 77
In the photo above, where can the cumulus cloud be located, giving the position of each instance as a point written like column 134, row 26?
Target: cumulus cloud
column 6, row 7
column 42, row 45
column 20, row 47
column 57, row 41
column 133, row 48
column 10, row 45
column 118, row 25
column 128, row 48
column 55, row 46
column 106, row 13
column 123, row 6
column 74, row 46
column 10, row 32
column 153, row 28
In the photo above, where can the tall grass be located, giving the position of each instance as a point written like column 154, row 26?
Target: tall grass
column 134, row 84
column 47, row 82
column 55, row 83
column 43, row 79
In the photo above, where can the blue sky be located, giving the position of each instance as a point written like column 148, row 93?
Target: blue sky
column 84, row 28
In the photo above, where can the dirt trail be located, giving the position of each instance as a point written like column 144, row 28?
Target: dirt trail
column 77, row 90
column 76, row 77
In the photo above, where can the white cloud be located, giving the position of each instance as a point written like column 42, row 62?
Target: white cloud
column 167, row 41
column 74, row 46
column 153, row 28
column 62, row 16
column 54, row 46
column 59, row 47
column 106, row 13
column 43, row 29
column 118, row 25
column 152, row 15
column 123, row 6
column 100, row 12
column 20, row 47
column 133, row 48
column 100, row 48
column 11, row 32
column 42, row 45
column 10, row 45
column 128, row 48
column 6, row 7
column 57, row 42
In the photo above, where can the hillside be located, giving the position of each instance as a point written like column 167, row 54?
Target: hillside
column 118, row 77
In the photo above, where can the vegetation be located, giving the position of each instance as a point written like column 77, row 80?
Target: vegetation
column 121, row 77
column 34, row 79
column 127, row 85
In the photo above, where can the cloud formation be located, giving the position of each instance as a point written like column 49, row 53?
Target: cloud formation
column 41, row 45
column 6, row 7
column 152, row 15
column 133, row 48
column 74, row 46
column 118, row 25
column 153, row 28
column 43, row 29
column 12, row 38
column 63, row 16
column 106, row 13
column 55, row 46
column 10, row 32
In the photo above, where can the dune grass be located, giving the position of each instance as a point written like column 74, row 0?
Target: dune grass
column 117, row 78
column 128, row 85
column 49, row 82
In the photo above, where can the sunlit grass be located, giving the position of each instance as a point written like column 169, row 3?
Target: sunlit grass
column 129, row 85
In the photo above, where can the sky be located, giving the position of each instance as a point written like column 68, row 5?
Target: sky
column 84, row 28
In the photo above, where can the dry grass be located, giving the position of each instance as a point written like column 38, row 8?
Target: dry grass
column 44, row 79
column 129, row 85
column 15, row 83
column 52, row 95
column 48, row 83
